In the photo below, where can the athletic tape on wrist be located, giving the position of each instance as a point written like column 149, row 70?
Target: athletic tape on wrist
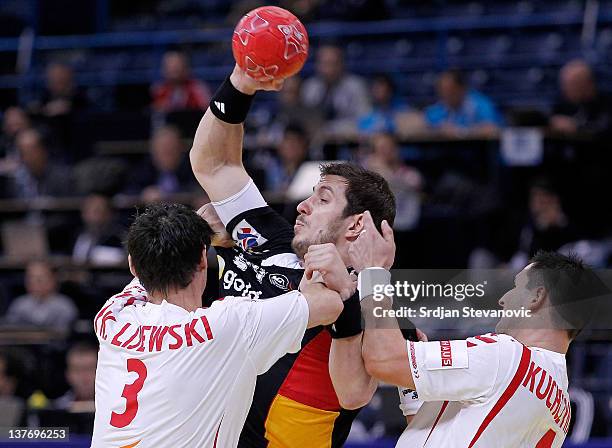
column 369, row 279
column 409, row 401
column 349, row 322
column 229, row 104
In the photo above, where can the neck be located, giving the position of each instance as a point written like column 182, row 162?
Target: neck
column 553, row 340
column 189, row 298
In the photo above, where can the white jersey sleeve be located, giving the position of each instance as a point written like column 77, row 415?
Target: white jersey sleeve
column 273, row 327
column 447, row 370
column 246, row 199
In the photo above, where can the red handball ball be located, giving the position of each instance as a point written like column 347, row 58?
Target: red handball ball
column 270, row 43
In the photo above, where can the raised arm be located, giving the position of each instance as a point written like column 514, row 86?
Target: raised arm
column 216, row 154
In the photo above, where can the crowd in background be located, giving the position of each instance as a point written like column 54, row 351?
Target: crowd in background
column 361, row 119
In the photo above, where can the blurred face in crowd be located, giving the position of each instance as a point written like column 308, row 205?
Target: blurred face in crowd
column 290, row 93
column 97, row 212
column 175, row 67
column 385, row 148
column 15, row 121
column 450, row 92
column 577, row 83
column 167, row 149
column 545, row 207
column 8, row 385
column 59, row 79
column 330, row 63
column 293, row 148
column 81, row 373
column 320, row 216
column 32, row 152
column 40, row 280
column 381, row 91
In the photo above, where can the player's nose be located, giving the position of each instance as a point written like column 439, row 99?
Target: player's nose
column 303, row 207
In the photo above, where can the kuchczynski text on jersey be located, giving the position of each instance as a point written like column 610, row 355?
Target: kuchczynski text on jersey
column 444, row 313
column 413, row 291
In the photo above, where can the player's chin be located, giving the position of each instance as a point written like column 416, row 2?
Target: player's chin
column 299, row 246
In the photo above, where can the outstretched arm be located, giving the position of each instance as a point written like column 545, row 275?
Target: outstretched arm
column 216, row 154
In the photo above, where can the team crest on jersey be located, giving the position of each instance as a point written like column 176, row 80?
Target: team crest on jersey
column 280, row 281
column 246, row 236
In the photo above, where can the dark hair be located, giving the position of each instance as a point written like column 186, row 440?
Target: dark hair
column 297, row 130
column 366, row 190
column 568, row 282
column 166, row 244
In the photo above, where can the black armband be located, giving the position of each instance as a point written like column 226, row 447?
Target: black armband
column 229, row 104
column 349, row 321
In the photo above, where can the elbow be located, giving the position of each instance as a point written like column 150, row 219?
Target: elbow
column 356, row 399
column 199, row 163
column 373, row 366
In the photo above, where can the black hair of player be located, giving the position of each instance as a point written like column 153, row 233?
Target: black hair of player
column 569, row 282
column 366, row 190
column 166, row 244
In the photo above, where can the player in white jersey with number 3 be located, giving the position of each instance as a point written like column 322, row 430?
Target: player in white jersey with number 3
column 508, row 389
column 171, row 373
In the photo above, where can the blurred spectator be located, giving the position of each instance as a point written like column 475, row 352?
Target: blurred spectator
column 582, row 108
column 167, row 171
column 386, row 106
column 461, row 111
column 14, row 121
column 547, row 228
column 291, row 152
column 406, row 182
column 341, row 97
column 290, row 109
column 37, row 176
column 59, row 103
column 179, row 90
column 62, row 96
column 12, row 373
column 42, row 305
column 81, row 362
column 99, row 241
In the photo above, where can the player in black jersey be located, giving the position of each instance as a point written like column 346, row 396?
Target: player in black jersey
column 295, row 402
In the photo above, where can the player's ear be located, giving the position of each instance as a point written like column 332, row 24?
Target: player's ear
column 355, row 226
column 203, row 261
column 539, row 298
column 131, row 265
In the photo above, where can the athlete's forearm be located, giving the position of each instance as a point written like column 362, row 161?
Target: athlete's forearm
column 384, row 348
column 216, row 154
column 324, row 305
column 216, row 157
column 353, row 384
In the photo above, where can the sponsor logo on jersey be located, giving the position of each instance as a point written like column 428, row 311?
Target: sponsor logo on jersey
column 231, row 281
column 280, row 281
column 246, row 236
column 446, row 353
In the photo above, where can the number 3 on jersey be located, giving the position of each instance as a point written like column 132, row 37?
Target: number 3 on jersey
column 130, row 393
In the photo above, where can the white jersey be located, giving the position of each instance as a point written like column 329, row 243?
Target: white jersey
column 167, row 377
column 487, row 391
